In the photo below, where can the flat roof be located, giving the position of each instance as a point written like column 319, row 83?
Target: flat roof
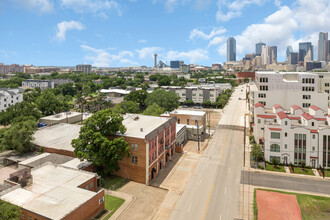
column 54, row 192
column 188, row 112
column 76, row 164
column 46, row 158
column 119, row 91
column 61, row 116
column 57, row 136
column 139, row 126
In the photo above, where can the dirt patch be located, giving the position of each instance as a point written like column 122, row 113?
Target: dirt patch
column 277, row 206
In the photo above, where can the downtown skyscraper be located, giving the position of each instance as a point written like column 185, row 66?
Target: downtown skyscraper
column 323, row 46
column 231, row 49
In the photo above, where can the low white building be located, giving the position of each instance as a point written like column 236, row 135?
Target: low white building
column 294, row 135
column 9, row 97
column 34, row 83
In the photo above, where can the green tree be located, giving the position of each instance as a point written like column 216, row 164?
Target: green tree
column 154, row 110
column 20, row 134
column 50, row 104
column 94, row 144
column 9, row 211
column 275, row 162
column 189, row 102
column 126, row 107
column 19, row 109
column 207, row 104
column 167, row 100
column 256, row 152
column 138, row 96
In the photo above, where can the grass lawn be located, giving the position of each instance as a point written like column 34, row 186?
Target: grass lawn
column 115, row 181
column 327, row 173
column 306, row 171
column 278, row 168
column 112, row 203
column 312, row 207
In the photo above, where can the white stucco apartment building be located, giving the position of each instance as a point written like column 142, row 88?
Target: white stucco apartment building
column 9, row 97
column 286, row 89
column 293, row 135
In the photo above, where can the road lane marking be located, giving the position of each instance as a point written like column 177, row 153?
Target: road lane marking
column 207, row 202
column 225, row 189
column 229, row 170
column 189, row 207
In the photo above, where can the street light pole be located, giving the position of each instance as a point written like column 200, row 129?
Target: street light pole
column 198, row 137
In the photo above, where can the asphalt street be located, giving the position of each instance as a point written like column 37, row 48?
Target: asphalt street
column 213, row 190
column 303, row 184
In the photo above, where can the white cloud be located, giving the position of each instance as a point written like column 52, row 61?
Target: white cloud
column 196, row 33
column 232, row 9
column 148, row 52
column 287, row 26
column 65, row 26
column 142, row 41
column 217, row 40
column 44, row 6
column 194, row 56
column 99, row 7
column 102, row 58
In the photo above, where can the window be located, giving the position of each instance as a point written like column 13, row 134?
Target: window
column 134, row 159
column 196, row 122
column 187, row 121
column 285, row 134
column 259, row 121
column 286, row 122
column 275, row 135
column 101, row 200
column 275, row 148
column 327, row 91
column 306, row 105
column 264, row 79
column 285, row 146
column 263, row 88
column 178, row 120
column 327, row 84
column 264, row 103
column 307, row 97
column 312, row 123
column 134, row 147
column 313, row 149
column 22, row 216
column 262, row 95
column 30, row 218
column 313, row 136
column 91, row 185
column 86, row 187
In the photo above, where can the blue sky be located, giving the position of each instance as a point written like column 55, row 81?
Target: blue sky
column 129, row 32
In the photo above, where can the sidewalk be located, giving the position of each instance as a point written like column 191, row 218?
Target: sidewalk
column 128, row 201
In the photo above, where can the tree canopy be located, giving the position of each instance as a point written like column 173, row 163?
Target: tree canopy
column 48, row 103
column 9, row 211
column 138, row 96
column 19, row 135
column 95, row 143
column 126, row 107
column 167, row 100
column 154, row 110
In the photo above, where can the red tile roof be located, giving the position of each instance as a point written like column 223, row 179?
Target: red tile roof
column 277, row 106
column 294, row 118
column 259, row 105
column 314, row 131
column 296, row 107
column 320, row 119
column 307, row 116
column 315, row 108
column 275, row 129
column 282, row 115
column 266, row 116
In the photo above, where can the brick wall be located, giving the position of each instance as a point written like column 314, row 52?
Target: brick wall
column 90, row 185
column 183, row 119
column 58, row 151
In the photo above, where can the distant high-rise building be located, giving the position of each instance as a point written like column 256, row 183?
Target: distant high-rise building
column 155, row 60
column 304, row 47
column 85, row 68
column 323, row 46
column 289, row 50
column 231, row 49
column 273, row 54
column 328, row 49
column 259, row 48
column 176, row 64
column 293, row 58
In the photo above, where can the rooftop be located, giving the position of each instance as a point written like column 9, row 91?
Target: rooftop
column 139, row 126
column 120, row 91
column 54, row 192
column 58, row 136
column 188, row 112
column 62, row 115
column 46, row 158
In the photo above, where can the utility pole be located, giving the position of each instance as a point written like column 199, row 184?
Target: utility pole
column 198, row 137
column 244, row 138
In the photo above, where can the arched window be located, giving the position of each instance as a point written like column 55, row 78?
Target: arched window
column 275, row 148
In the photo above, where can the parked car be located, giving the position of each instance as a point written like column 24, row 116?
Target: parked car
column 197, row 107
column 185, row 106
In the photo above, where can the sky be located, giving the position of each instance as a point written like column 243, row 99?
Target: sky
column 118, row 33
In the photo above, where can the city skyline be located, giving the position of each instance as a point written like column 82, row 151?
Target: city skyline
column 68, row 32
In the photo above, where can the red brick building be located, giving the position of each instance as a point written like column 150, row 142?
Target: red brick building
column 243, row 75
column 152, row 140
